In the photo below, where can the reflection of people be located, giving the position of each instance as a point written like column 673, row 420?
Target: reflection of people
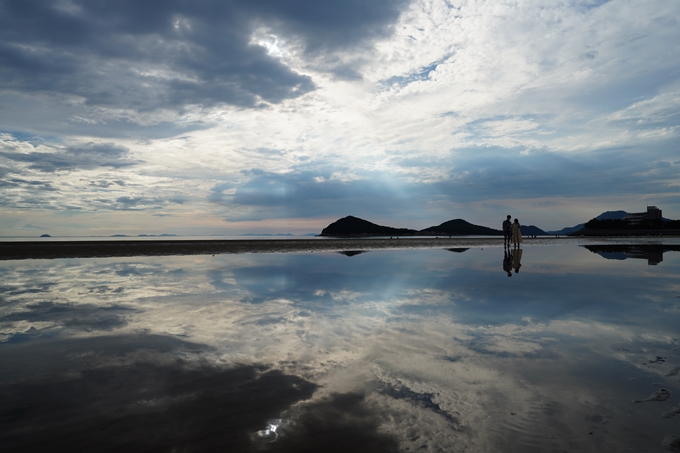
column 507, row 231
column 516, row 259
column 516, row 233
column 507, row 261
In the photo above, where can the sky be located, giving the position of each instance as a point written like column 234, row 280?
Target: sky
column 226, row 117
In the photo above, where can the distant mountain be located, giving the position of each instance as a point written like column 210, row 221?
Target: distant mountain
column 45, row 235
column 616, row 215
column 119, row 235
column 354, row 226
column 530, row 230
column 459, row 227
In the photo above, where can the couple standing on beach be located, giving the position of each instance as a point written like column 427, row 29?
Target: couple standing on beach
column 512, row 232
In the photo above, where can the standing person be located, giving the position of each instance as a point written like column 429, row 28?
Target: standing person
column 507, row 231
column 516, row 233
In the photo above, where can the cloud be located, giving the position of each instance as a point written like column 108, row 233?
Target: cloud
column 410, row 185
column 389, row 110
column 307, row 193
column 88, row 155
column 138, row 203
column 79, row 177
column 169, row 55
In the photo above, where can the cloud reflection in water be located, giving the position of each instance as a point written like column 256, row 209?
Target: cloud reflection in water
column 421, row 348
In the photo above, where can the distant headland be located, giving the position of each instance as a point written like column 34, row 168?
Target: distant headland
column 620, row 223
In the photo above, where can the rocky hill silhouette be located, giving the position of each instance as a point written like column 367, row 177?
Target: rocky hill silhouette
column 354, row 226
column 459, row 227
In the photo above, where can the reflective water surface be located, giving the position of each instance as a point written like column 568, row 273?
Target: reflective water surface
column 477, row 350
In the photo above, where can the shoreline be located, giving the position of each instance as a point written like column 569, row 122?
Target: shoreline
column 110, row 249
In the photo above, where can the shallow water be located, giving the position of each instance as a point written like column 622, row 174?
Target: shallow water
column 428, row 350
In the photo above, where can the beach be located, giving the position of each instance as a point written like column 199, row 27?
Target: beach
column 101, row 249
column 178, row 247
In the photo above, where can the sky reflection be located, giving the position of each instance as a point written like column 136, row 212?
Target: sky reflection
column 405, row 349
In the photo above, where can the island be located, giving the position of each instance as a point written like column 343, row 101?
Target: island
column 351, row 226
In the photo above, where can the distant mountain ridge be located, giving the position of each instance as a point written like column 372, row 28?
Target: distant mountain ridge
column 354, row 226
column 530, row 230
column 459, row 227
column 615, row 215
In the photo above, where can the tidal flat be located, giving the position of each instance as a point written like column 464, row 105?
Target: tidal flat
column 563, row 347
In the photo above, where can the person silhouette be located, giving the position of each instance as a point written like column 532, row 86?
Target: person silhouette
column 507, row 231
column 516, row 233
column 507, row 261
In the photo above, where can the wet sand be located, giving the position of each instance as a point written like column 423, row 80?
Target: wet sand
column 100, row 249
column 165, row 247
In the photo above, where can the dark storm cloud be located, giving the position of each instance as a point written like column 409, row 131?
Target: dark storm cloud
column 90, row 155
column 331, row 25
column 169, row 54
